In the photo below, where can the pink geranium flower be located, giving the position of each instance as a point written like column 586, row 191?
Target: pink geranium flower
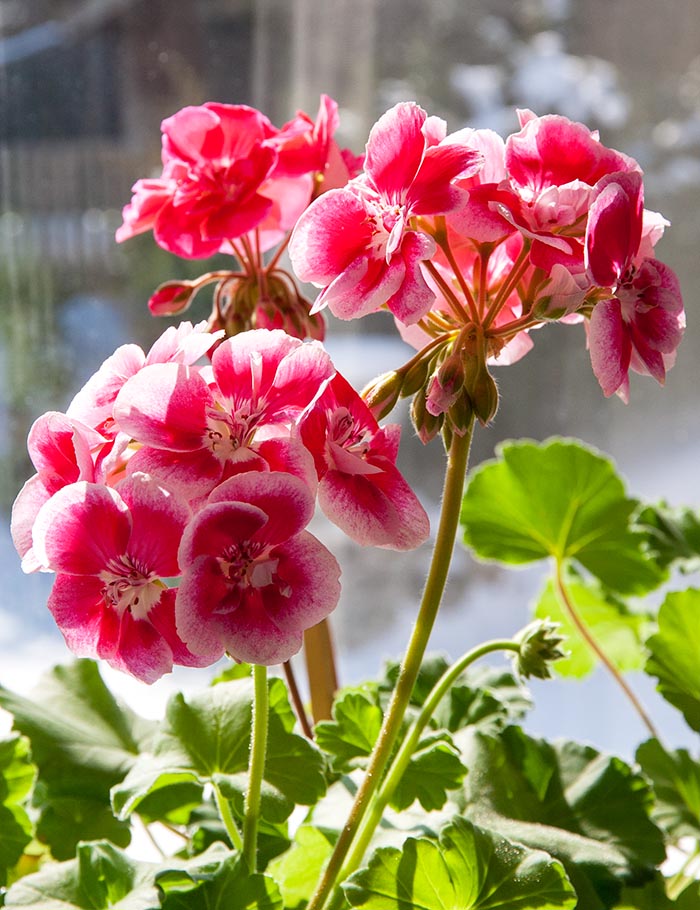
column 195, row 433
column 358, row 244
column 642, row 323
column 254, row 579
column 216, row 159
column 360, row 488
column 111, row 551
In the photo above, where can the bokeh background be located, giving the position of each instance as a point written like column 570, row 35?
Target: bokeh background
column 84, row 85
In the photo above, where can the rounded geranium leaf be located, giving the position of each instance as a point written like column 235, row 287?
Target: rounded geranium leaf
column 557, row 499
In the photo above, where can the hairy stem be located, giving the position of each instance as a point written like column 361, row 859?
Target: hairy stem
column 583, row 630
column 222, row 804
column 258, row 748
column 458, row 457
column 402, row 758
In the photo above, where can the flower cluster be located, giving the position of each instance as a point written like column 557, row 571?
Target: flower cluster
column 172, row 499
column 234, row 183
column 471, row 242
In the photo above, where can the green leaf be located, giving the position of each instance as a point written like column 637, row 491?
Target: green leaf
column 587, row 809
column 17, row 775
column 557, row 499
column 618, row 631
column 83, row 742
column 672, row 536
column 206, row 740
column 298, row 871
column 100, row 877
column 229, row 885
column 676, row 780
column 357, row 719
column 435, row 768
column 653, row 897
column 674, row 653
column 470, row 869
column 482, row 696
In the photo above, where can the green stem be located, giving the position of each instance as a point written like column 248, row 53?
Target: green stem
column 222, row 804
column 258, row 747
column 458, row 458
column 583, row 630
column 408, row 746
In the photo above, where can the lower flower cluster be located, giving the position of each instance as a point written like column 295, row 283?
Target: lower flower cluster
column 172, row 499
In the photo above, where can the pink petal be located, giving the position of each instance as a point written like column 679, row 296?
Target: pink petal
column 93, row 403
column 188, row 474
column 158, row 521
column 25, row 509
column 77, row 605
column 165, row 405
column 329, row 236
column 81, row 529
column 217, row 527
column 414, row 298
column 284, row 499
column 610, row 346
column 395, row 150
column 162, row 617
column 306, row 587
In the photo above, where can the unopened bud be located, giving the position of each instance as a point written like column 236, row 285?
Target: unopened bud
column 172, row 297
column 447, row 384
column 540, row 645
column 382, row 393
column 416, row 376
column 483, row 394
column 427, row 425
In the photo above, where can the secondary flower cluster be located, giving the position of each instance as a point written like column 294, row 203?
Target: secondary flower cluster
column 234, row 183
column 471, row 242
column 172, row 499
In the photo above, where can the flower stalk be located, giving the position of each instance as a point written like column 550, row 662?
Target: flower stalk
column 258, row 748
column 458, row 457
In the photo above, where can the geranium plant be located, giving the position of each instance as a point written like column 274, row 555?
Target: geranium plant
column 172, row 500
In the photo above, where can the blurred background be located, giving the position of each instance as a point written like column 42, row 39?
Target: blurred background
column 84, row 85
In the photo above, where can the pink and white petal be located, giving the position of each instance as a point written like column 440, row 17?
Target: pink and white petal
column 358, row 507
column 245, row 366
column 395, row 150
column 290, row 455
column 165, row 405
column 200, row 607
column 77, row 605
column 413, row 525
column 25, row 509
column 93, row 403
column 81, row 529
column 251, row 636
column 139, row 649
column 190, row 475
column 217, row 528
column 414, row 298
column 612, row 236
column 158, row 522
column 162, row 618
column 61, row 445
column 183, row 343
column 306, row 584
column 285, row 500
column 431, row 192
column 364, row 287
column 610, row 346
column 329, row 236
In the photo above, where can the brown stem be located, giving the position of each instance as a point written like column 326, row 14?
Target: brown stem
column 296, row 699
column 583, row 630
column 320, row 667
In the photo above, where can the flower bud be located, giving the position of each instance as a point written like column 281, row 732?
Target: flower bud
column 382, row 393
column 539, row 647
column 172, row 297
column 482, row 391
column 427, row 425
column 447, row 384
column 416, row 376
